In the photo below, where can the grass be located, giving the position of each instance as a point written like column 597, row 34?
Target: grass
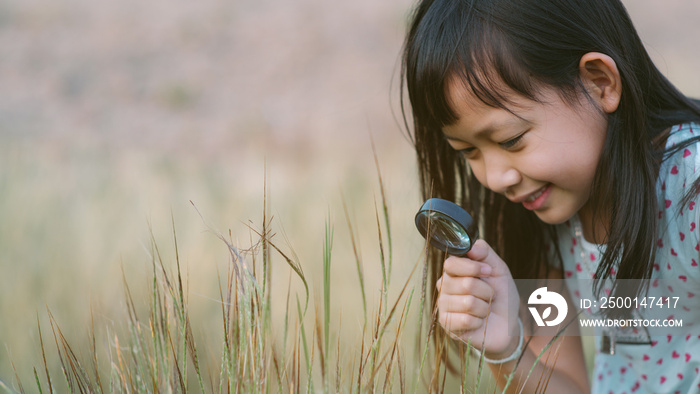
column 160, row 352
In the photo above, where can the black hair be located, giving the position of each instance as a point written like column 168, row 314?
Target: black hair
column 524, row 45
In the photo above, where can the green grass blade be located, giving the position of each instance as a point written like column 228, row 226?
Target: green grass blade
column 327, row 253
column 358, row 259
column 302, row 334
column 38, row 381
column 385, row 209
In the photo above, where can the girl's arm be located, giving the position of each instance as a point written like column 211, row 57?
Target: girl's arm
column 561, row 369
column 480, row 287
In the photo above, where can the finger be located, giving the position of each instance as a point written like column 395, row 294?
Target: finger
column 463, row 304
column 465, row 286
column 459, row 322
column 459, row 266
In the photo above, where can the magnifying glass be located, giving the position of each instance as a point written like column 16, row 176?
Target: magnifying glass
column 446, row 226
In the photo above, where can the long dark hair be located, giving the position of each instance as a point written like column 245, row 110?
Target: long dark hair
column 525, row 45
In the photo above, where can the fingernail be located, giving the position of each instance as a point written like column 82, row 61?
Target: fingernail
column 485, row 269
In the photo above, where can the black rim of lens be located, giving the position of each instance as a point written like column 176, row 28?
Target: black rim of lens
column 454, row 212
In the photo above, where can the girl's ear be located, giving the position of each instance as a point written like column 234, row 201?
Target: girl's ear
column 601, row 78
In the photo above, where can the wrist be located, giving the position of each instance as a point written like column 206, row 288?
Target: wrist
column 511, row 348
column 512, row 352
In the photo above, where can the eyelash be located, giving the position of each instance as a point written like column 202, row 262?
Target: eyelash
column 466, row 152
column 510, row 144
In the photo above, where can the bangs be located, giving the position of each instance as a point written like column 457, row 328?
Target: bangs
column 456, row 43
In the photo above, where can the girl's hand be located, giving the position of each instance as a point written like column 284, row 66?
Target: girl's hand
column 465, row 289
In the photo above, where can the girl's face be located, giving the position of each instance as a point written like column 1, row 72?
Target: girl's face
column 542, row 155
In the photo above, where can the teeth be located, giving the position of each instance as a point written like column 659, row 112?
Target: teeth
column 534, row 196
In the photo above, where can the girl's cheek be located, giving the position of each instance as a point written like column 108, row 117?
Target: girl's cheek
column 478, row 171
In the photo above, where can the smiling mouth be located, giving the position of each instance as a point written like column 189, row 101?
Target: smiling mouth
column 537, row 200
column 537, row 194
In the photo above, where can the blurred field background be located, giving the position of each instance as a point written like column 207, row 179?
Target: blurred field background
column 115, row 115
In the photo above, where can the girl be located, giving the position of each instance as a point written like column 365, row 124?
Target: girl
column 548, row 121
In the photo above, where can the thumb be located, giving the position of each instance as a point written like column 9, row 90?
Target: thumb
column 479, row 251
column 482, row 251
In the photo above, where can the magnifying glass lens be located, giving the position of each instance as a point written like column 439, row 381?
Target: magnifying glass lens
column 447, row 232
column 446, row 226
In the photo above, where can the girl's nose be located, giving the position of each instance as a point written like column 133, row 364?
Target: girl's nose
column 501, row 176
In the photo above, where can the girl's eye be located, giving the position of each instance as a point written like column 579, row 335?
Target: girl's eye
column 467, row 152
column 511, row 143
